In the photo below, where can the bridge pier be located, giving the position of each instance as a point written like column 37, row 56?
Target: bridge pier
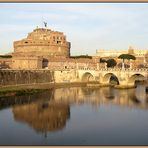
column 121, row 85
column 125, row 86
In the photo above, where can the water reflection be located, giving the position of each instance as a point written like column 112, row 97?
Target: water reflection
column 43, row 116
column 49, row 111
column 106, row 95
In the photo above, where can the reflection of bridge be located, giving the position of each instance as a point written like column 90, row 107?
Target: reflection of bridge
column 132, row 98
column 125, row 77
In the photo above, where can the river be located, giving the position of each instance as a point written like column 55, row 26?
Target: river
column 76, row 116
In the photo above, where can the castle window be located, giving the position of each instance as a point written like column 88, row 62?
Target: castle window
column 26, row 42
column 58, row 42
column 53, row 38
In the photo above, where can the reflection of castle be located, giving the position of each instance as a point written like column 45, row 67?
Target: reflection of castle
column 43, row 116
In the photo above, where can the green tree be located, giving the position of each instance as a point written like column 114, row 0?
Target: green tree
column 102, row 60
column 126, row 57
column 111, row 63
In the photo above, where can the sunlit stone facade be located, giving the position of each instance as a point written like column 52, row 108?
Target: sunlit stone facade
column 43, row 42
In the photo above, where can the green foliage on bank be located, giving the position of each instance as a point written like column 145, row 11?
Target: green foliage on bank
column 4, row 92
column 81, row 56
column 5, row 56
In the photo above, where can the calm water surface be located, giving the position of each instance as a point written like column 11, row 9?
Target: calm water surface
column 76, row 116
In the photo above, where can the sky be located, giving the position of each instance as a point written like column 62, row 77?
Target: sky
column 88, row 26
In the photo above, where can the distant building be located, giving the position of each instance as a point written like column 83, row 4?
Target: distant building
column 110, row 53
column 116, row 53
column 138, row 53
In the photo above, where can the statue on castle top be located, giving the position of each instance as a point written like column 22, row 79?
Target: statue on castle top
column 45, row 24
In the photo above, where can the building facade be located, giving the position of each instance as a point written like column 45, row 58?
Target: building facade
column 116, row 53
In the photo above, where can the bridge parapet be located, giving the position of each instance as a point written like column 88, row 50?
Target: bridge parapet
column 126, row 69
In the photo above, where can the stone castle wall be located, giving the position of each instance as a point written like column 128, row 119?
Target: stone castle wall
column 26, row 62
column 70, row 63
column 16, row 77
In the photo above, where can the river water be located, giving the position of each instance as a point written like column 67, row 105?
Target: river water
column 76, row 116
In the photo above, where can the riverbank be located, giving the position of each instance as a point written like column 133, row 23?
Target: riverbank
column 23, row 89
column 17, row 90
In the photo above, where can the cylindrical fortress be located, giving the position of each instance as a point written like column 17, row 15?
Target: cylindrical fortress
column 43, row 42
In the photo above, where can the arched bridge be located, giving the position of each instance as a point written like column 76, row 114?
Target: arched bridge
column 123, row 77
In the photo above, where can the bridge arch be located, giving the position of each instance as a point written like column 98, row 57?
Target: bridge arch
column 135, row 77
column 110, row 78
column 87, row 77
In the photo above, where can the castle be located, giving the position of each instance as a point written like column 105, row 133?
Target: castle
column 43, row 42
column 45, row 48
column 34, row 51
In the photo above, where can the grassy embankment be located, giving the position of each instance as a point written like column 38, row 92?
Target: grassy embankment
column 18, row 90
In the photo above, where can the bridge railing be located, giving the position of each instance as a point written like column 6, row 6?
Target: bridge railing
column 126, row 69
column 85, row 68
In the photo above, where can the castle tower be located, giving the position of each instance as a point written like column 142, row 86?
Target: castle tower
column 43, row 42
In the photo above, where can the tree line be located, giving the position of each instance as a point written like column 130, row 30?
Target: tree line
column 113, row 63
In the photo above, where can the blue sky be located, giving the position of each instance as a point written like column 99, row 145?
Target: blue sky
column 88, row 26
